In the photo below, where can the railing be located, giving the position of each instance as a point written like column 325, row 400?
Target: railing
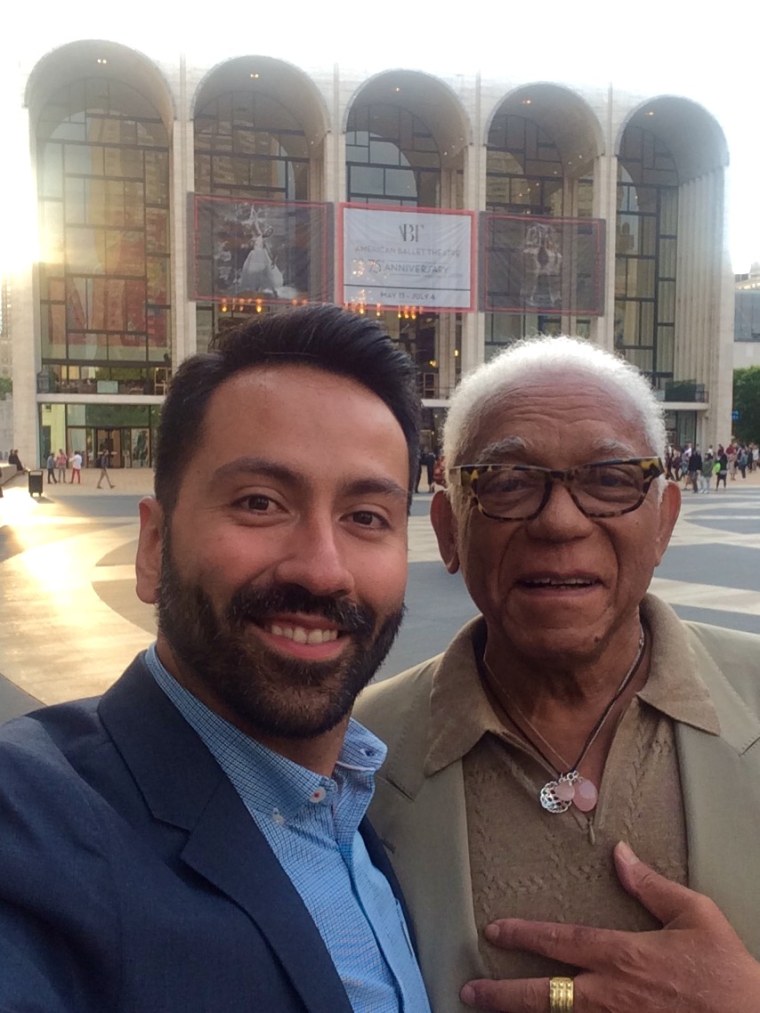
column 52, row 385
column 686, row 391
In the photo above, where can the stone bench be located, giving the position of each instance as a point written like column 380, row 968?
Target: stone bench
column 8, row 472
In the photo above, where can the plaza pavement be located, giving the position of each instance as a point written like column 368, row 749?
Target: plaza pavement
column 71, row 620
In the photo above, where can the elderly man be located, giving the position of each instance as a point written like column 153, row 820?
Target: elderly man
column 194, row 840
column 577, row 729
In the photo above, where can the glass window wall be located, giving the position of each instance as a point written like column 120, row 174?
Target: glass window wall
column 525, row 176
column 103, row 193
column 247, row 144
column 645, row 254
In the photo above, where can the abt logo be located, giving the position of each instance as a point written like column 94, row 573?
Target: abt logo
column 411, row 233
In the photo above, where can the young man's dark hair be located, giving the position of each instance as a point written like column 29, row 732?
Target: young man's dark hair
column 325, row 337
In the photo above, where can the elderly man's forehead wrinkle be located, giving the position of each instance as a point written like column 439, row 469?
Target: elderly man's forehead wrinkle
column 545, row 400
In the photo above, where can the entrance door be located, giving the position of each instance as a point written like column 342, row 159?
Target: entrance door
column 110, row 439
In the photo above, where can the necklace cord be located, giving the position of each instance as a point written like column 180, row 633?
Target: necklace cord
column 599, row 724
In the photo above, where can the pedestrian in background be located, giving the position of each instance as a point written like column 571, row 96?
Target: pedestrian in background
column 722, row 468
column 76, row 467
column 60, row 463
column 103, row 462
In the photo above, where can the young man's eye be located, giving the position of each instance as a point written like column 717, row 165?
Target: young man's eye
column 368, row 519
column 257, row 503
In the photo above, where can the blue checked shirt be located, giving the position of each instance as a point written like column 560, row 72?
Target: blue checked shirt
column 311, row 824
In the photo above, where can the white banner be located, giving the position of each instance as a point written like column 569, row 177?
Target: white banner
column 407, row 257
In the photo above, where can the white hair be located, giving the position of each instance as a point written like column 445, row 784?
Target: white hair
column 535, row 357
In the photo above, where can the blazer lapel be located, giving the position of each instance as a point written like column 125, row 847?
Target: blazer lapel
column 183, row 786
column 423, row 823
column 720, row 777
column 228, row 850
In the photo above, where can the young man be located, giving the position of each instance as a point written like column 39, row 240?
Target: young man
column 195, row 839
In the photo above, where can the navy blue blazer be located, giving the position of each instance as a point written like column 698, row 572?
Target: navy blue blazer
column 132, row 877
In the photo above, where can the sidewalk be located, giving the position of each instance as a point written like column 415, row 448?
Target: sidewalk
column 71, row 618
column 135, row 481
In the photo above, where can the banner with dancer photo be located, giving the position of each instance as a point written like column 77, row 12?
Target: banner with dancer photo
column 398, row 257
column 256, row 251
column 542, row 265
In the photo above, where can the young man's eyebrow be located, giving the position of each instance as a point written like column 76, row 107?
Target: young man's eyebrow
column 372, row 486
column 265, row 467
column 255, row 466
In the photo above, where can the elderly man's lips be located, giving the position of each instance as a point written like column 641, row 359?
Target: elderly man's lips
column 551, row 582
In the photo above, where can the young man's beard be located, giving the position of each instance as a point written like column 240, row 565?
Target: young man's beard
column 258, row 688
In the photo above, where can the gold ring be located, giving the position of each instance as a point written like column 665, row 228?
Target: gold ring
column 560, row 995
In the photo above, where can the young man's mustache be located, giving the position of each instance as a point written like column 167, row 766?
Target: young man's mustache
column 256, row 605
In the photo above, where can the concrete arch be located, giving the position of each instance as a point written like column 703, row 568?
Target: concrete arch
column 691, row 134
column 425, row 96
column 98, row 58
column 563, row 115
column 276, row 79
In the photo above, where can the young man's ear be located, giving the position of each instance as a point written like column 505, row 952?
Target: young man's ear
column 445, row 527
column 149, row 550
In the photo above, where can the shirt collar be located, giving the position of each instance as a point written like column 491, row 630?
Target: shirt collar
column 461, row 713
column 673, row 686
column 266, row 780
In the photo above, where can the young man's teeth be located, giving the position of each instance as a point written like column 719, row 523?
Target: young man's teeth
column 303, row 636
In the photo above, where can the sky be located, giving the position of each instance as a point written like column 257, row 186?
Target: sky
column 707, row 53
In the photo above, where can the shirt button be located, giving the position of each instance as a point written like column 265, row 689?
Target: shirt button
column 318, row 795
column 278, row 818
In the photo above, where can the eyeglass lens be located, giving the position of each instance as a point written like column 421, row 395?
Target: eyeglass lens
column 512, row 492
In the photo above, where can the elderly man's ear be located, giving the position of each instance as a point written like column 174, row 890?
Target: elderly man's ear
column 445, row 527
column 670, row 507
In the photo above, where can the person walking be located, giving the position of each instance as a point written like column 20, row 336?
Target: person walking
column 103, row 460
column 707, row 470
column 731, row 454
column 50, row 465
column 722, row 468
column 694, row 469
column 741, row 460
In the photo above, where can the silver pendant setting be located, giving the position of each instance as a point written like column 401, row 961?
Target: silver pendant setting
column 570, row 789
column 557, row 796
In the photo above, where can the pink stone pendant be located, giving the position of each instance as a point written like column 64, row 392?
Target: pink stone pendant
column 565, row 791
column 585, row 795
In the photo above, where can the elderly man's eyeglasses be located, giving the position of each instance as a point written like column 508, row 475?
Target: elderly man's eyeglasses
column 519, row 492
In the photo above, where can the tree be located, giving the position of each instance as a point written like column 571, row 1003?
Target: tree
column 747, row 404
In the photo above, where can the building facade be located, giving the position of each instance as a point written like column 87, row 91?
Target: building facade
column 747, row 319
column 173, row 200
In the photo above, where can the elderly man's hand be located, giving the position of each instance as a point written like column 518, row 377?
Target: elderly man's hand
column 695, row 964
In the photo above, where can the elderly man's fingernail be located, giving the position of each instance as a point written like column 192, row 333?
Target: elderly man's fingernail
column 491, row 932
column 467, row 995
column 625, row 854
